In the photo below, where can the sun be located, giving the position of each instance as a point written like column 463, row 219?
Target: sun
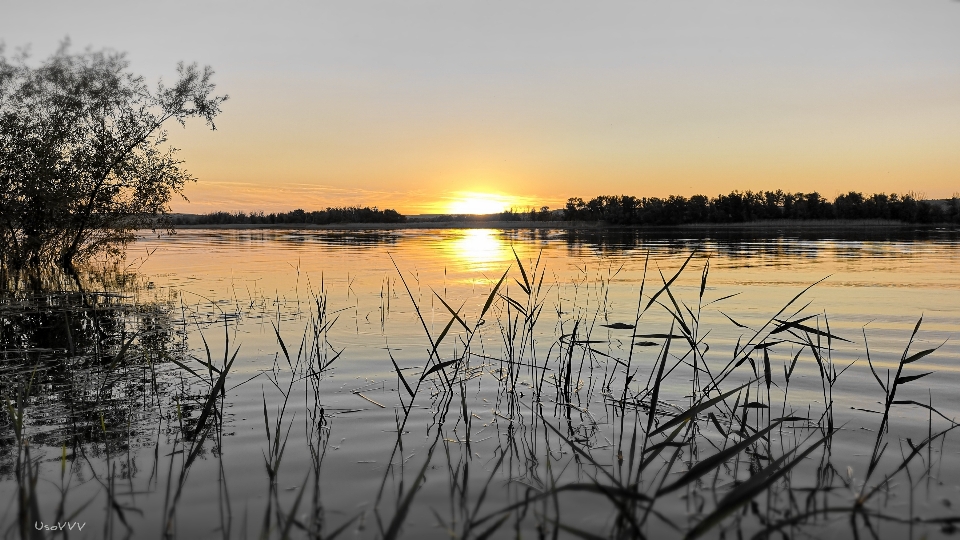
column 469, row 202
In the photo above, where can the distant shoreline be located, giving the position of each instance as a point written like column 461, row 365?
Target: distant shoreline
column 760, row 225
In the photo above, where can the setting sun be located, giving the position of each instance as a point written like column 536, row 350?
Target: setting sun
column 478, row 203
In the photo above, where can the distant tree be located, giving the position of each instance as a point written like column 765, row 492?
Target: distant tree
column 84, row 159
column 575, row 209
column 347, row 214
column 747, row 206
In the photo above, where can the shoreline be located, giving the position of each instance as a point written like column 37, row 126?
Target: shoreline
column 763, row 225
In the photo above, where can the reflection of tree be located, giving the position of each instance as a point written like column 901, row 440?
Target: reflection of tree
column 733, row 243
column 93, row 363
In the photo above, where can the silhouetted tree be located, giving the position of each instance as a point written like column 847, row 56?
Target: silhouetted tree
column 84, row 159
column 348, row 214
column 739, row 207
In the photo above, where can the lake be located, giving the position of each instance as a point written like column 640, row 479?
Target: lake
column 357, row 404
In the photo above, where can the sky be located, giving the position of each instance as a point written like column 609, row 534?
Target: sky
column 442, row 106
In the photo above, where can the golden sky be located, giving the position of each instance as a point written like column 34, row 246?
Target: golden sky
column 419, row 106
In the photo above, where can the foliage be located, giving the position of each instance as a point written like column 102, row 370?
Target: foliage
column 84, row 159
column 347, row 214
column 735, row 207
column 739, row 207
column 532, row 214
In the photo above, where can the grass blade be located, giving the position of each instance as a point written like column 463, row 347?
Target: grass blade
column 714, row 461
column 919, row 355
column 669, row 283
column 523, row 272
column 438, row 367
column 658, row 381
column 697, row 409
column 401, row 515
column 745, row 492
column 400, row 374
column 493, row 294
column 456, row 314
column 908, row 378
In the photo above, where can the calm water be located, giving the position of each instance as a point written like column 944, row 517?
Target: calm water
column 245, row 287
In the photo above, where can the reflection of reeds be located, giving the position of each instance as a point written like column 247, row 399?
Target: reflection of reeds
column 663, row 438
column 80, row 375
column 696, row 447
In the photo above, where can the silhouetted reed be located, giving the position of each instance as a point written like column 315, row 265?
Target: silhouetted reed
column 522, row 415
column 662, row 449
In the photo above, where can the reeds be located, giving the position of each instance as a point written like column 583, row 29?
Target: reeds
column 725, row 446
column 583, row 426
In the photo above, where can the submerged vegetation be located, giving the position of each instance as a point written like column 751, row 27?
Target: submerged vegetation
column 517, row 421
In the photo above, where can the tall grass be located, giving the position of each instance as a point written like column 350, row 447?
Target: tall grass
column 725, row 449
column 524, row 424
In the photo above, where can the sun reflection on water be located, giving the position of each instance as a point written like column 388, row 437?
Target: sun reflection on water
column 479, row 249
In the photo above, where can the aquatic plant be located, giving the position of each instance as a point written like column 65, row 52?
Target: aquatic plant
column 515, row 422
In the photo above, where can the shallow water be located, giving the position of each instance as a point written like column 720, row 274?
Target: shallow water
column 248, row 286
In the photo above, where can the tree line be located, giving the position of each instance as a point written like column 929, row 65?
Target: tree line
column 746, row 206
column 735, row 207
column 347, row 214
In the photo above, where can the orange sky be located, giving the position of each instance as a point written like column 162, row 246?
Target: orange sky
column 407, row 106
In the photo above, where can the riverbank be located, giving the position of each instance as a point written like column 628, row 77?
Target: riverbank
column 760, row 225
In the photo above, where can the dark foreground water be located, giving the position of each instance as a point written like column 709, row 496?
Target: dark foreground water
column 355, row 403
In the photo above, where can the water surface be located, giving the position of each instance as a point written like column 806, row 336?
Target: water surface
column 241, row 288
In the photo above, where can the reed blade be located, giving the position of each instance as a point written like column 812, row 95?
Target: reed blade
column 756, row 484
column 697, row 409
